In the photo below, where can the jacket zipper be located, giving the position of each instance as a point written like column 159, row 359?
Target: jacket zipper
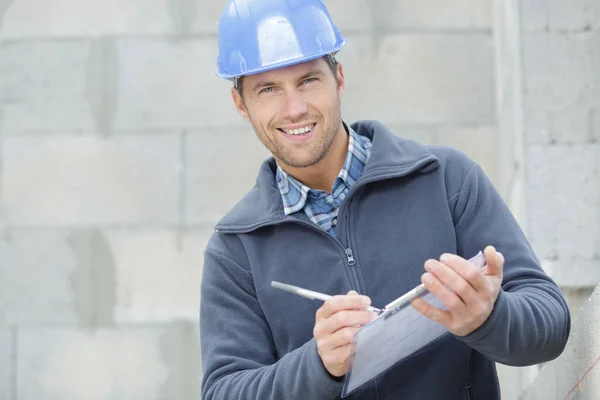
column 352, row 263
column 469, row 389
column 349, row 253
column 347, row 250
column 350, row 260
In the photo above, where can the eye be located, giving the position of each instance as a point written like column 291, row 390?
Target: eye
column 309, row 80
column 266, row 90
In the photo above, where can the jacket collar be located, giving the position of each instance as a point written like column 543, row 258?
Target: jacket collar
column 391, row 156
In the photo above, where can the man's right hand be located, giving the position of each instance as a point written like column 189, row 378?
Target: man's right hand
column 336, row 323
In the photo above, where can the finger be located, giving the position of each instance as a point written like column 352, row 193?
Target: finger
column 352, row 293
column 453, row 280
column 494, row 261
column 466, row 269
column 433, row 313
column 340, row 338
column 342, row 302
column 343, row 319
column 450, row 300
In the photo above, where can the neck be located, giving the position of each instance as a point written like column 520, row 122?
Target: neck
column 322, row 175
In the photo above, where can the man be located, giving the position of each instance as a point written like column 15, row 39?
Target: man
column 356, row 211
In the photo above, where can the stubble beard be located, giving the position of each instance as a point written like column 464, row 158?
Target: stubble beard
column 287, row 155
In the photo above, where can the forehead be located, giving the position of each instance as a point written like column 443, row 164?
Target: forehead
column 290, row 72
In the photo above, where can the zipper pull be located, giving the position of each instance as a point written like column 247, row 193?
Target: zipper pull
column 351, row 260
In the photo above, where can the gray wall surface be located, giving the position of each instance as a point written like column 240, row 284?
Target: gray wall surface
column 120, row 148
column 576, row 373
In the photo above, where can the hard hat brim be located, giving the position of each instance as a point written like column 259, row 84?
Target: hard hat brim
column 282, row 64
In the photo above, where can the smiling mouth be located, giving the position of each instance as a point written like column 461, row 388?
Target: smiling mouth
column 298, row 131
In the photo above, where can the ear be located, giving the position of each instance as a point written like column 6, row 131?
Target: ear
column 239, row 104
column 340, row 79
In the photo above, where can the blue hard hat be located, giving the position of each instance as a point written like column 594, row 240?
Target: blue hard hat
column 260, row 35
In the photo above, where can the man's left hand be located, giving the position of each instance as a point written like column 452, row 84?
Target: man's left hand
column 473, row 294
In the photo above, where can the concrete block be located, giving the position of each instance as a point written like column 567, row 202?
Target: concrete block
column 206, row 16
column 158, row 274
column 185, row 14
column 560, row 15
column 480, row 143
column 513, row 380
column 379, row 15
column 129, row 363
column 411, row 79
column 93, row 278
column 595, row 81
column 420, row 134
column 6, row 367
column 477, row 142
column 352, row 16
column 220, row 174
column 577, row 298
column 564, row 201
column 386, row 15
column 560, row 97
column 172, row 85
column 43, row 87
column 573, row 274
column 35, row 271
column 34, row 18
column 576, row 373
column 78, row 181
column 56, row 277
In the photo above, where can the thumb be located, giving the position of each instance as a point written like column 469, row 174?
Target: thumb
column 494, row 260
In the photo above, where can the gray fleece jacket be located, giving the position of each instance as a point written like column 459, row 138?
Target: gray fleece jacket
column 412, row 203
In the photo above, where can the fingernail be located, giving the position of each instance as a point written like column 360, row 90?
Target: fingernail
column 427, row 279
column 430, row 266
column 445, row 257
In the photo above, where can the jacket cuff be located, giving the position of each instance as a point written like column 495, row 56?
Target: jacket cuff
column 319, row 373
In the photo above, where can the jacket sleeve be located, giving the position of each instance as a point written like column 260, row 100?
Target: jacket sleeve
column 530, row 321
column 239, row 358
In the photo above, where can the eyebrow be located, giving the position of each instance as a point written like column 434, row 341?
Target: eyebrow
column 263, row 84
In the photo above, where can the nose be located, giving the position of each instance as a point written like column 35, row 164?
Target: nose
column 293, row 106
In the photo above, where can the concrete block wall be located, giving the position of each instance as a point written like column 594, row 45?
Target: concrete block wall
column 576, row 373
column 120, row 148
column 548, row 100
column 561, row 86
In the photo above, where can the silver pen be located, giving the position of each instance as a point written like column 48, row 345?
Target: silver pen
column 310, row 294
column 407, row 297
column 478, row 260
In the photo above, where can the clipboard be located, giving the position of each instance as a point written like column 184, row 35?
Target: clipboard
column 393, row 336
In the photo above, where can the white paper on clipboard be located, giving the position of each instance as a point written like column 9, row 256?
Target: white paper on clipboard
column 393, row 336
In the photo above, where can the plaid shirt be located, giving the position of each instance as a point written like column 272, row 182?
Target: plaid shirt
column 322, row 207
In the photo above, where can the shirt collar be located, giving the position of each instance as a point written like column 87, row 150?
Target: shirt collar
column 295, row 194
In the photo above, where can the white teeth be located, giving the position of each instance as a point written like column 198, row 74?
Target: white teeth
column 298, row 131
